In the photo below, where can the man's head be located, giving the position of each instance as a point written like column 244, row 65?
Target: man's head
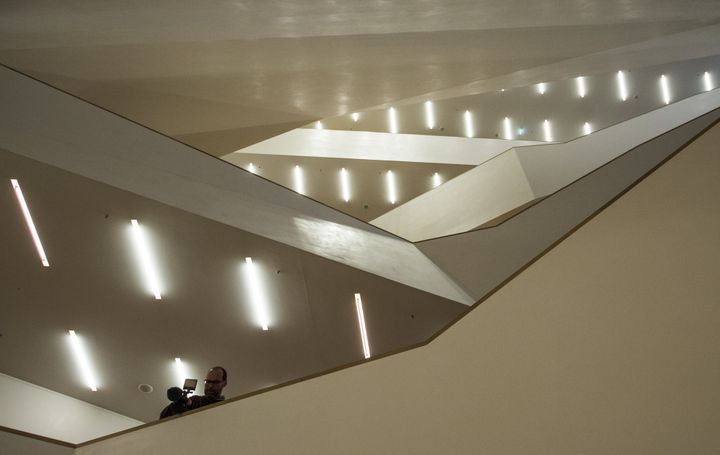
column 215, row 380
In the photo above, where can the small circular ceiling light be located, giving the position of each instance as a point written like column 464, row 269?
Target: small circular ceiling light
column 145, row 388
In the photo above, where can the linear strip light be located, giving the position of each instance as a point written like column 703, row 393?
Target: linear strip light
column 436, row 180
column 392, row 194
column 257, row 296
column 147, row 265
column 581, row 86
column 707, row 81
column 547, row 130
column 83, row 362
column 392, row 119
column 665, row 88
column 586, row 128
column 180, row 371
column 541, row 88
column 29, row 221
column 507, row 125
column 622, row 85
column 298, row 179
column 469, row 132
column 429, row 115
column 361, row 322
column 345, row 184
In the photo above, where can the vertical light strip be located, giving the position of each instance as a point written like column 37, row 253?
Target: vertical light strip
column 586, row 128
column 507, row 126
column 361, row 322
column 355, row 116
column 392, row 119
column 469, row 131
column 180, row 371
column 83, row 362
column 251, row 168
column 298, row 179
column 541, row 88
column 318, row 125
column 548, row 131
column 392, row 194
column 429, row 115
column 665, row 88
column 345, row 184
column 29, row 222
column 581, row 86
column 622, row 85
column 147, row 265
column 707, row 81
column 436, row 180
column 257, row 296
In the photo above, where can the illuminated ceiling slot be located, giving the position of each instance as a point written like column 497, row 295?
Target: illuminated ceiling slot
column 436, row 180
column 298, row 179
column 429, row 115
column 29, row 222
column 507, row 128
column 665, row 89
column 391, row 190
column 83, row 361
column 547, row 130
column 345, row 184
column 469, row 131
column 541, row 88
column 258, row 298
column 147, row 265
column 622, row 85
column 361, row 322
column 586, row 128
column 392, row 120
column 707, row 81
column 580, row 82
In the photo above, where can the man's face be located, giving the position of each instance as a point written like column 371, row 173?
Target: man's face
column 214, row 383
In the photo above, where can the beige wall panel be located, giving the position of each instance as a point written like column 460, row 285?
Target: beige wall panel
column 607, row 344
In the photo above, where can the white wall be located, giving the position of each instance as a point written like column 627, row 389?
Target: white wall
column 607, row 344
column 34, row 409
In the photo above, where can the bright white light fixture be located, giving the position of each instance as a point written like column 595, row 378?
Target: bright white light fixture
column 361, row 322
column 345, row 184
column 507, row 126
column 581, row 86
column 665, row 88
column 318, row 125
column 392, row 120
column 429, row 115
column 83, row 362
column 355, row 116
column 257, row 295
column 541, row 87
column 298, row 179
column 622, row 85
column 147, row 265
column 251, row 168
column 707, row 81
column 29, row 222
column 436, row 180
column 392, row 195
column 469, row 132
column 547, row 130
column 586, row 128
column 180, row 371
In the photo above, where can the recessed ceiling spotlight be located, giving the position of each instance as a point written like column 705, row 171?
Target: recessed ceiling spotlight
column 251, row 168
column 580, row 81
column 145, row 388
column 665, row 89
column 622, row 85
column 707, row 81
column 392, row 120
column 345, row 184
column 82, row 361
column 318, row 125
column 392, row 194
column 29, row 222
column 541, row 87
column 436, row 180
column 507, row 127
column 586, row 128
column 469, row 131
column 298, row 179
column 355, row 116
column 258, row 297
column 429, row 115
column 548, row 131
column 361, row 323
column 147, row 265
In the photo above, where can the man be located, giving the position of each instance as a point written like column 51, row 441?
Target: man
column 215, row 381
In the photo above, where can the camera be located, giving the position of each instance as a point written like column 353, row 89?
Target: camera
column 178, row 395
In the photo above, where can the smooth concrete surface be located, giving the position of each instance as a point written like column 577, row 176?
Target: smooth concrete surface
column 607, row 344
column 53, row 415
